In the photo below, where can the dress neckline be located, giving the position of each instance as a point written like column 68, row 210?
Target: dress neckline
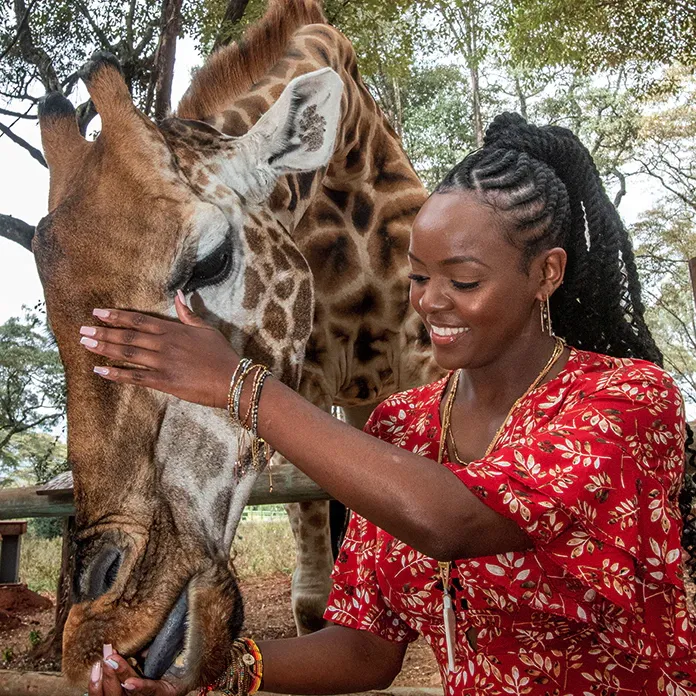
column 574, row 353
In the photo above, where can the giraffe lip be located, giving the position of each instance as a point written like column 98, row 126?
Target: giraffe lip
column 169, row 642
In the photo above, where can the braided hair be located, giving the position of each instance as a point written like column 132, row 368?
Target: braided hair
column 546, row 183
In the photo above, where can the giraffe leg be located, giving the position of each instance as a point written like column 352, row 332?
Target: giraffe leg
column 310, row 580
column 310, row 524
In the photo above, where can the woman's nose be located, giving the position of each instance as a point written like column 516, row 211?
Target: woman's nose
column 434, row 298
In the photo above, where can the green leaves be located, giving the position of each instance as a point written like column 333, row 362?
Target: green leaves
column 32, row 401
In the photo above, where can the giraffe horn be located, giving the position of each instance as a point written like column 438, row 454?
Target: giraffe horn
column 107, row 88
column 63, row 144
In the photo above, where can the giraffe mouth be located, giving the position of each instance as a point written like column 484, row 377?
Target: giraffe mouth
column 166, row 652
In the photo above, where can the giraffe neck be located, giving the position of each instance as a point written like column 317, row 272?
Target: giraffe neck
column 352, row 223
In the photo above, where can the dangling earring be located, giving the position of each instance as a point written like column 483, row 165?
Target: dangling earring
column 546, row 317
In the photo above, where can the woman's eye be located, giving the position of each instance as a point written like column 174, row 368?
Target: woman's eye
column 418, row 279
column 211, row 270
column 464, row 286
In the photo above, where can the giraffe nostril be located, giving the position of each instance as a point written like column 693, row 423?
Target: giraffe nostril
column 99, row 574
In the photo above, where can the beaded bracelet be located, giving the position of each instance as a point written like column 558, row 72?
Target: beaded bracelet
column 244, row 675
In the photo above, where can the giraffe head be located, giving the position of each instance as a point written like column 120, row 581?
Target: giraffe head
column 134, row 216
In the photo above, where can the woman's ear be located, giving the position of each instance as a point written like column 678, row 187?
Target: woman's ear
column 552, row 267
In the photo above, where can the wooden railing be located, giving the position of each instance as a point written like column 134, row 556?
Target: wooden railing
column 55, row 499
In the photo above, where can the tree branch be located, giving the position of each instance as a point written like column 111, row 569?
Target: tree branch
column 16, row 230
column 233, row 14
column 95, row 27
column 622, row 190
column 29, row 117
column 20, row 28
column 36, row 154
column 34, row 55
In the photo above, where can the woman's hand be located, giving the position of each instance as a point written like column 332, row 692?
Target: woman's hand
column 190, row 360
column 115, row 677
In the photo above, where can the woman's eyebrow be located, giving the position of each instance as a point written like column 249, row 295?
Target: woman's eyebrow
column 452, row 260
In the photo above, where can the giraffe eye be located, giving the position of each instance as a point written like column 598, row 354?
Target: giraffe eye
column 212, row 269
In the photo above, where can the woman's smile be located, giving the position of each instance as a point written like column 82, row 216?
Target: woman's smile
column 447, row 335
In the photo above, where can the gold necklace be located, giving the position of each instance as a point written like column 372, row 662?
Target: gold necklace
column 447, row 413
column 448, row 615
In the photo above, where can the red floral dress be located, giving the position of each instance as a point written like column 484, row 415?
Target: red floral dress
column 589, row 465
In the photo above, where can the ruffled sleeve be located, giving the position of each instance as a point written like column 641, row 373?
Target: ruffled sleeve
column 596, row 489
column 356, row 599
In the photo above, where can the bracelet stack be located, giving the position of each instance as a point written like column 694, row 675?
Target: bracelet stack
column 248, row 441
column 244, row 674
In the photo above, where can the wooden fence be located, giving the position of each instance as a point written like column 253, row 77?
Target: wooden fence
column 55, row 499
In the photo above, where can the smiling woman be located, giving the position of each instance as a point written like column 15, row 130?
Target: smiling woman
column 522, row 513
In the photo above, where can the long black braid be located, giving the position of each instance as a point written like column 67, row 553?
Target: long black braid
column 545, row 181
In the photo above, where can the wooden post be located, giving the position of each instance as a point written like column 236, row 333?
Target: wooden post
column 10, row 546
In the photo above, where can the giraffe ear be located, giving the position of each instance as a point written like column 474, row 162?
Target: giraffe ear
column 298, row 132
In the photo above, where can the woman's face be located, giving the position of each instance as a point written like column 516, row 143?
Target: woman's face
column 468, row 283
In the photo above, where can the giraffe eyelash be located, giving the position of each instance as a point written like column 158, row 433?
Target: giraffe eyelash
column 212, row 269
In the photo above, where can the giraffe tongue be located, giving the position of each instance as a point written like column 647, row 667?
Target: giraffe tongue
column 169, row 642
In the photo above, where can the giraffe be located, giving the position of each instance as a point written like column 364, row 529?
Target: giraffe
column 280, row 201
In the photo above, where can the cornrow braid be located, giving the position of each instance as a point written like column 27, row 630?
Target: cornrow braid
column 546, row 183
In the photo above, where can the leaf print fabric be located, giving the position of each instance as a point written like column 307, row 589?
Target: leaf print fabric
column 589, row 465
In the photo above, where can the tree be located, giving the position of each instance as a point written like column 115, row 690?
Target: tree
column 437, row 132
column 594, row 35
column 665, row 239
column 32, row 387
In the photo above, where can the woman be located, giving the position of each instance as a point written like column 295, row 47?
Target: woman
column 553, row 511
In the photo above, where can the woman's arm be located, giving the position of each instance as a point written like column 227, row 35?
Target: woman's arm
column 335, row 660
column 407, row 495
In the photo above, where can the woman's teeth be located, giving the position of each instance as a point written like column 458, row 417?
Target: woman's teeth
column 449, row 331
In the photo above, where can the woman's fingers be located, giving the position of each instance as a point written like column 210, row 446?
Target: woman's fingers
column 95, row 681
column 141, row 378
column 185, row 314
column 123, row 352
column 131, row 320
column 124, row 337
column 115, row 671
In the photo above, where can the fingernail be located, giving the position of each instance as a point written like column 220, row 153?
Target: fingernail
column 101, row 313
column 101, row 370
column 181, row 296
column 112, row 663
column 87, row 330
column 96, row 672
column 128, row 687
column 89, row 342
column 107, row 649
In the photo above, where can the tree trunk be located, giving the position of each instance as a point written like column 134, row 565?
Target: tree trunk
column 49, row 651
column 165, row 57
column 473, row 61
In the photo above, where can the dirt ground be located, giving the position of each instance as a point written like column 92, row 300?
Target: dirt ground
column 26, row 617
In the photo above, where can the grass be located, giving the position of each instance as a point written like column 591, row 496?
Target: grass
column 260, row 549
column 39, row 563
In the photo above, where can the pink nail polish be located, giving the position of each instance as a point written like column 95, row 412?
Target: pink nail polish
column 128, row 687
column 89, row 342
column 101, row 370
column 96, row 672
column 87, row 330
column 101, row 313
column 107, row 650
column 181, row 296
